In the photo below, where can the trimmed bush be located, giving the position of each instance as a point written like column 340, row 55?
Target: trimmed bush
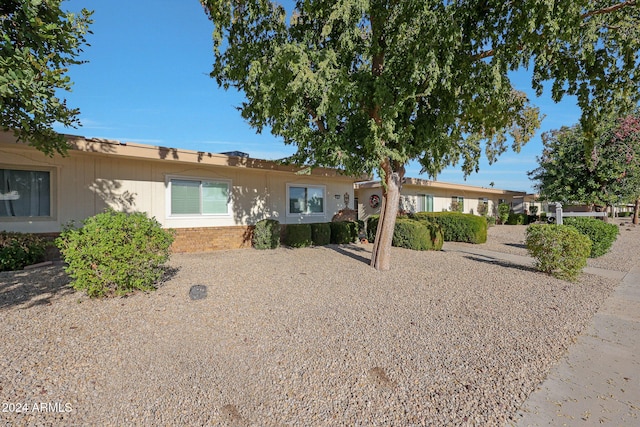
column 343, row 232
column 18, row 250
column 602, row 234
column 266, row 234
column 298, row 235
column 517, row 219
column 559, row 250
column 115, row 253
column 372, row 227
column 424, row 235
column 321, row 233
column 503, row 212
column 417, row 235
column 457, row 227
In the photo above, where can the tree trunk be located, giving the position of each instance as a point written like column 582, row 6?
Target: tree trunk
column 636, row 211
column 381, row 256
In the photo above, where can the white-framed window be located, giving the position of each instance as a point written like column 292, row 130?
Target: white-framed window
column 425, row 203
column 305, row 199
column 25, row 193
column 198, row 197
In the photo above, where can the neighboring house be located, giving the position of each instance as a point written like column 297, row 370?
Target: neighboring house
column 421, row 195
column 211, row 200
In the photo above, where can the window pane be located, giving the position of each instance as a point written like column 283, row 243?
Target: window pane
column 185, row 197
column 429, row 204
column 297, row 199
column 25, row 193
column 214, row 197
column 315, row 198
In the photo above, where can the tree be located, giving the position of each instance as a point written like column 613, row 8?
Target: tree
column 565, row 176
column 371, row 85
column 607, row 175
column 624, row 143
column 38, row 41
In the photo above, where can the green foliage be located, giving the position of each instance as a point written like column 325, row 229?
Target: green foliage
column 457, row 227
column 517, row 219
column 372, row 227
column 580, row 166
column 38, row 42
column 417, row 235
column 559, row 250
column 321, row 233
column 372, row 85
column 297, row 235
column 115, row 253
column 266, row 234
column 343, row 232
column 491, row 221
column 503, row 212
column 18, row 250
column 601, row 234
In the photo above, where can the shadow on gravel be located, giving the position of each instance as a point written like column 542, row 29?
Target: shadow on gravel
column 501, row 263
column 168, row 275
column 350, row 252
column 516, row 245
column 39, row 286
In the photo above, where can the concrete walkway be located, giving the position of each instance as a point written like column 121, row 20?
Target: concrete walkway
column 598, row 381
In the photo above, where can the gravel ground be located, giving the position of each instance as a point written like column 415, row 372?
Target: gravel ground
column 303, row 337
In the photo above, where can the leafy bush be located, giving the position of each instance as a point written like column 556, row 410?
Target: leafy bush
column 372, row 227
column 457, row 227
column 417, row 235
column 424, row 235
column 343, row 232
column 115, row 253
column 559, row 250
column 321, row 233
column 517, row 219
column 298, row 235
column 491, row 221
column 503, row 212
column 18, row 250
column 602, row 234
column 266, row 234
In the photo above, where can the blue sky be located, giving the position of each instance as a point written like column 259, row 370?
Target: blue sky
column 147, row 81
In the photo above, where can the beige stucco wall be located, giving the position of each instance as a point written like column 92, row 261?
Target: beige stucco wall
column 441, row 199
column 84, row 184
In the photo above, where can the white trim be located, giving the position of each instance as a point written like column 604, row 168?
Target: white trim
column 201, row 179
column 306, row 214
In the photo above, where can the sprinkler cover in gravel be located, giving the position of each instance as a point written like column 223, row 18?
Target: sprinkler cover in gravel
column 198, row 292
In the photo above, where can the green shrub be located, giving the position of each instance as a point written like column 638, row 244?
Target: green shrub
column 602, row 234
column 321, row 233
column 491, row 221
column 517, row 219
column 428, row 235
column 457, row 227
column 503, row 212
column 417, row 235
column 266, row 234
column 18, row 250
column 559, row 250
column 298, row 235
column 372, row 227
column 343, row 232
column 115, row 253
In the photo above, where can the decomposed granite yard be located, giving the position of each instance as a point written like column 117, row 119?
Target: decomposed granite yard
column 304, row 337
